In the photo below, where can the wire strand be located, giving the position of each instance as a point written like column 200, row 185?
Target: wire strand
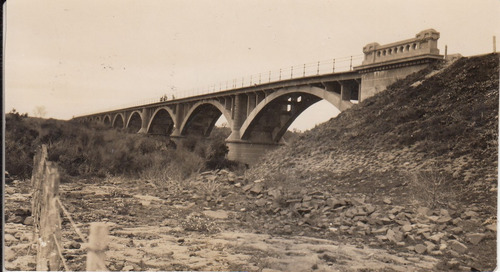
column 77, row 230
column 59, row 251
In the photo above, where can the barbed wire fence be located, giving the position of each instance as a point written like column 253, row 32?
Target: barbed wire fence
column 46, row 206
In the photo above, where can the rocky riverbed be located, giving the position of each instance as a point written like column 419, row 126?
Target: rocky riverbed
column 220, row 221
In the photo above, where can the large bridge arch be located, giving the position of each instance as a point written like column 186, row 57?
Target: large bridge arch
column 162, row 122
column 134, row 122
column 270, row 119
column 118, row 121
column 202, row 116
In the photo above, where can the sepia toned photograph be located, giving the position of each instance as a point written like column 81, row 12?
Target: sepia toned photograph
column 250, row 135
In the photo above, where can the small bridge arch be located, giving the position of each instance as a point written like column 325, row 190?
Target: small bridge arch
column 107, row 120
column 162, row 122
column 134, row 122
column 202, row 116
column 118, row 121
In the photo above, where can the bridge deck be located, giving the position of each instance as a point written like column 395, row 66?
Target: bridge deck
column 308, row 80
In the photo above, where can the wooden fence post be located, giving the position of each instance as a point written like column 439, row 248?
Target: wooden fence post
column 37, row 178
column 98, row 242
column 45, row 181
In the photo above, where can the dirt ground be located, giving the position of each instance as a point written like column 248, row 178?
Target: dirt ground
column 194, row 228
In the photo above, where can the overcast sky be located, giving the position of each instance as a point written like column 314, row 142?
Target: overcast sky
column 78, row 56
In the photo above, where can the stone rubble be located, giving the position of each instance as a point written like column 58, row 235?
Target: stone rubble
column 424, row 231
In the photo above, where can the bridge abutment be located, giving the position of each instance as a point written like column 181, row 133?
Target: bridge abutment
column 385, row 64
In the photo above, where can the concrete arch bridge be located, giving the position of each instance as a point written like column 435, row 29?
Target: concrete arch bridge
column 259, row 115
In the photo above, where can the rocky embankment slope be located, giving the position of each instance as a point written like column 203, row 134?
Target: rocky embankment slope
column 413, row 168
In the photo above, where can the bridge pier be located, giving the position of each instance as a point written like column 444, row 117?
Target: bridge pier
column 247, row 152
column 239, row 115
column 146, row 116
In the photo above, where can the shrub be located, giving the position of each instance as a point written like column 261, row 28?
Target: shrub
column 93, row 150
column 20, row 138
column 432, row 189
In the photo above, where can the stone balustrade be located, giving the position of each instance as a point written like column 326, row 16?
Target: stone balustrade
column 424, row 44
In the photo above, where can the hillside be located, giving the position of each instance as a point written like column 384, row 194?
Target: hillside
column 444, row 121
column 429, row 140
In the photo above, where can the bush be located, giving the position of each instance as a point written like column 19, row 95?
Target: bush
column 94, row 150
column 432, row 189
column 20, row 138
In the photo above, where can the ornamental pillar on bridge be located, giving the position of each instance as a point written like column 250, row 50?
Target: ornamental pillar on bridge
column 385, row 64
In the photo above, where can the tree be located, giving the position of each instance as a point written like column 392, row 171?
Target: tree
column 39, row 111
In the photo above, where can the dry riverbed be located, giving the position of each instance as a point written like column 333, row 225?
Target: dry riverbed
column 218, row 221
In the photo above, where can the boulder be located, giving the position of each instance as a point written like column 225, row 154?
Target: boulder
column 386, row 221
column 9, row 238
column 469, row 214
column 369, row 209
column 257, row 188
column 423, row 211
column 16, row 219
column 275, row 193
column 420, row 249
column 335, row 203
column 380, row 231
column 444, row 212
column 26, row 237
column 492, row 227
column 437, row 237
column 391, row 236
column 444, row 219
column 9, row 254
column 128, row 268
column 430, row 246
column 457, row 246
column 261, row 202
column 247, row 187
column 457, row 230
column 475, row 238
column 406, row 228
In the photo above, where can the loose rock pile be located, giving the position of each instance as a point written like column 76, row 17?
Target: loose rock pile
column 448, row 233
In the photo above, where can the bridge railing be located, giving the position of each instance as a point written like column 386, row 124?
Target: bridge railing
column 292, row 72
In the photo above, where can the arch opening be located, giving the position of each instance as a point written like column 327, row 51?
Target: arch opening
column 118, row 123
column 134, row 123
column 272, row 122
column 161, row 123
column 107, row 121
column 201, row 121
column 317, row 113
